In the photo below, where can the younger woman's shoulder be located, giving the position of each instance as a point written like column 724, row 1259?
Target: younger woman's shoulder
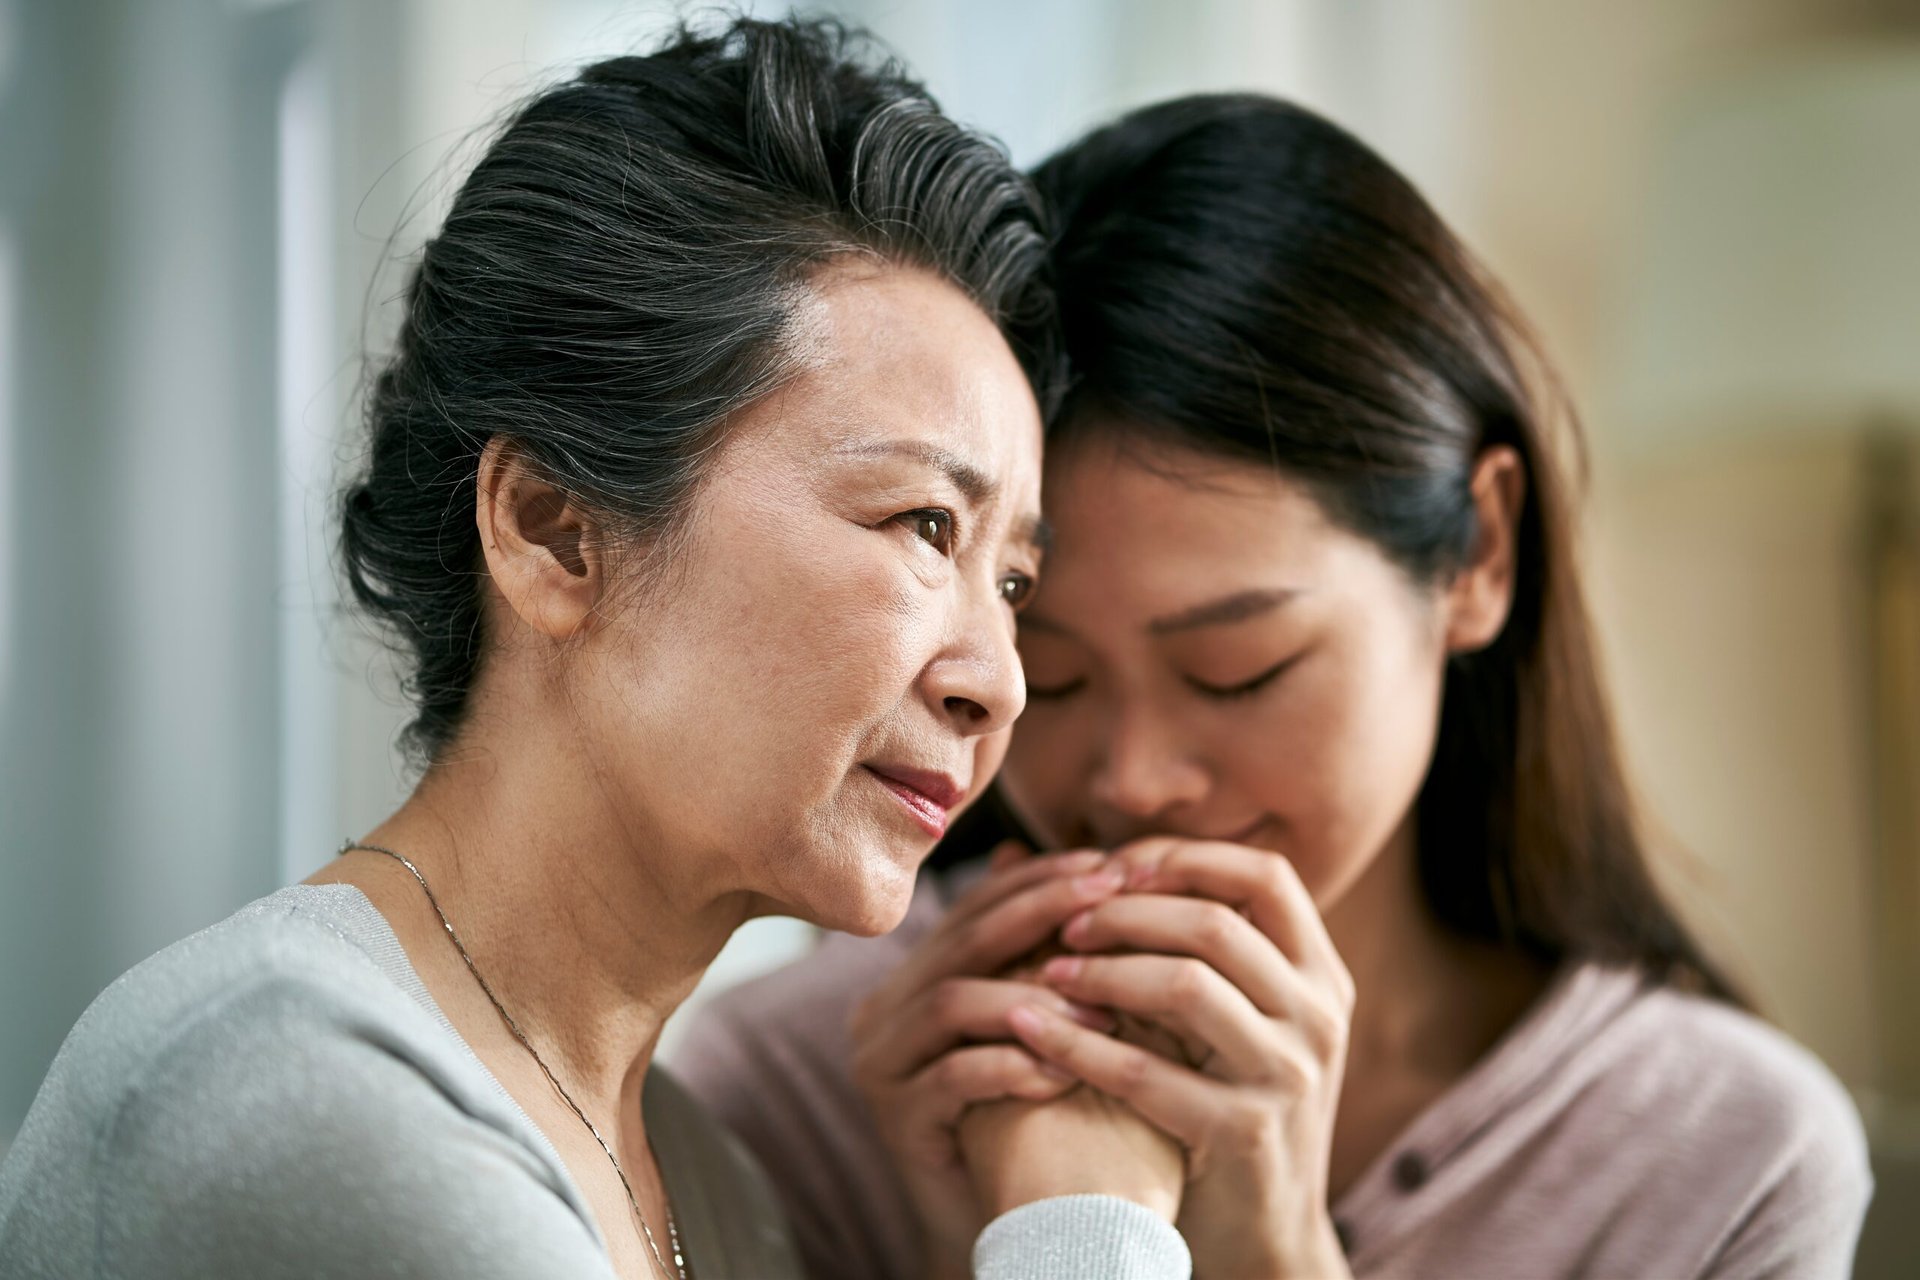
column 1721, row 1124
column 1753, row 1079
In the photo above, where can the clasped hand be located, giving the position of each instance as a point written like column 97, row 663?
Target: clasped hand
column 1183, row 1048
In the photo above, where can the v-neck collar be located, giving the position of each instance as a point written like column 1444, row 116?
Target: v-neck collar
column 1582, row 997
column 347, row 905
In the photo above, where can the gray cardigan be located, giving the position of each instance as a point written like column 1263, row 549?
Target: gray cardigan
column 278, row 1095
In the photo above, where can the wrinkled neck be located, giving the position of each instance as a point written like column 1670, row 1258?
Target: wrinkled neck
column 581, row 919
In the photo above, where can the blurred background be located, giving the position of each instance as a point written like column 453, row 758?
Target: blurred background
column 1710, row 209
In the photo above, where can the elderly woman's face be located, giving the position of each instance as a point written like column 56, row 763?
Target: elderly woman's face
column 827, row 669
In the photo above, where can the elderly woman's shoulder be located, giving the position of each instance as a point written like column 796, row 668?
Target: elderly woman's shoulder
column 217, row 1092
column 292, row 957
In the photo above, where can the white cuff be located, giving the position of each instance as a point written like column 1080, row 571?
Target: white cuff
column 1081, row 1238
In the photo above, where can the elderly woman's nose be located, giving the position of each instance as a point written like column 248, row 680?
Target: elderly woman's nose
column 975, row 682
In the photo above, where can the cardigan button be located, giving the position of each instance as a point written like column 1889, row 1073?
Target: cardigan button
column 1410, row 1171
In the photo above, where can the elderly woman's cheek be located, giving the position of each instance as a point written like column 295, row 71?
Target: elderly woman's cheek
column 989, row 753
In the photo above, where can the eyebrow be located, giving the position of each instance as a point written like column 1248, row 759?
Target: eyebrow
column 970, row 480
column 1214, row 613
column 1238, row 607
column 974, row 484
column 1036, row 532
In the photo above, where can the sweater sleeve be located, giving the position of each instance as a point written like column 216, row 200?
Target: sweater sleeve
column 1081, row 1238
column 292, row 1133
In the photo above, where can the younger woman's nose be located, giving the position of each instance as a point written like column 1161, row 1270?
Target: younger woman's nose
column 1144, row 773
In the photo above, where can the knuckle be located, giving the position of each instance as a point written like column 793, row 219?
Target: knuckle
column 947, row 1002
column 949, row 1074
column 1277, row 877
column 1150, row 848
column 1295, row 1073
column 1217, row 927
column 1344, row 989
column 1129, row 1073
column 1188, row 983
column 1250, row 1131
column 1328, row 1016
column 1060, row 898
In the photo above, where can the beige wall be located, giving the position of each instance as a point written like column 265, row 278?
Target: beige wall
column 1729, row 588
column 1723, row 582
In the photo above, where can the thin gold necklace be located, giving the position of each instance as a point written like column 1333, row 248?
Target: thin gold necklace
column 673, row 1229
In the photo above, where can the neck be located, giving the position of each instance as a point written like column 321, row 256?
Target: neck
column 589, row 931
column 1428, row 1002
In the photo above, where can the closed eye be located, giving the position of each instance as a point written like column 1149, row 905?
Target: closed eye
column 1244, row 687
column 1044, row 692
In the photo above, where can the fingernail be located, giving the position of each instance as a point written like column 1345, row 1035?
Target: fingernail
column 1062, row 968
column 1075, row 930
column 1027, row 1021
column 1091, row 1018
column 1082, row 860
column 1100, row 883
column 1139, row 873
column 1052, row 1072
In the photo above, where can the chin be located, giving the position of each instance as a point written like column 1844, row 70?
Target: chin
column 872, row 895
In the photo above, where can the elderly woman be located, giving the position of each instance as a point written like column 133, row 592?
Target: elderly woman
column 703, row 488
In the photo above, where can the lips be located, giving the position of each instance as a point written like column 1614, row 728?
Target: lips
column 925, row 793
column 1246, row 834
column 1095, row 837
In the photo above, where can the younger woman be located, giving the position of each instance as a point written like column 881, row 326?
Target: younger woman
column 1311, row 658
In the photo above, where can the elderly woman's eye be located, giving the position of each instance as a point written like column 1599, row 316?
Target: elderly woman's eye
column 931, row 526
column 1016, row 588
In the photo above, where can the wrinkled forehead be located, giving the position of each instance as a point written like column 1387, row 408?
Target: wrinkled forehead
column 897, row 358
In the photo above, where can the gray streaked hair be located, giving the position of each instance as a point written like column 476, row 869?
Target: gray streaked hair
column 624, row 270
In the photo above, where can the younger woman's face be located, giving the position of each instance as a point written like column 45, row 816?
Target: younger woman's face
column 1210, row 657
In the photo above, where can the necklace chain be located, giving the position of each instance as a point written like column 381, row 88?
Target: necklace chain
column 679, row 1267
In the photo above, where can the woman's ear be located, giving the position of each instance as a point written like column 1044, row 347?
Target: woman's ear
column 541, row 546
column 1481, row 594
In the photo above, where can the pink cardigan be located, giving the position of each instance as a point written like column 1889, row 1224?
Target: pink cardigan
column 1619, row 1130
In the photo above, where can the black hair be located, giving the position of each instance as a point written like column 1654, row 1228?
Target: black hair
column 618, row 275
column 1238, row 276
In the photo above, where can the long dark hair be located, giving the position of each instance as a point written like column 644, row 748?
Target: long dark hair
column 619, row 275
column 1239, row 276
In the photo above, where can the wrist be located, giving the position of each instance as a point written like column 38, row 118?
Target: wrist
column 1321, row 1255
column 1014, row 1192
